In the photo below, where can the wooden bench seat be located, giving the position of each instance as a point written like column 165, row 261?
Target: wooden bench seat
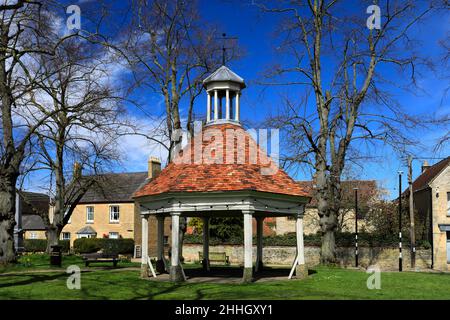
column 216, row 257
column 100, row 257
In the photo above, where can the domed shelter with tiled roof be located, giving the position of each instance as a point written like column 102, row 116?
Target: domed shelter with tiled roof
column 222, row 172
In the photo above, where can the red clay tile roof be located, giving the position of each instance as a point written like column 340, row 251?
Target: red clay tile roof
column 429, row 174
column 208, row 170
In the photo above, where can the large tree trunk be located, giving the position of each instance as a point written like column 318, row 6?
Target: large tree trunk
column 7, row 218
column 328, row 249
column 52, row 237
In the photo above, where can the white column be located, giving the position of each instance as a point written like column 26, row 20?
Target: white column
column 248, row 237
column 208, row 107
column 216, row 105
column 259, row 242
column 160, row 238
column 227, row 109
column 206, row 242
column 144, row 245
column 237, row 115
column 300, row 245
column 175, row 239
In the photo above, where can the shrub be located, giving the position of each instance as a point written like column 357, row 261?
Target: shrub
column 40, row 245
column 113, row 246
column 35, row 245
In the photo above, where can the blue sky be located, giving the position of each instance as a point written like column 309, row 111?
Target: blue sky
column 255, row 32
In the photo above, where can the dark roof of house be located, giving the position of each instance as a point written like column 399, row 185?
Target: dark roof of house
column 34, row 202
column 114, row 187
column 86, row 230
column 367, row 189
column 32, row 222
column 422, row 181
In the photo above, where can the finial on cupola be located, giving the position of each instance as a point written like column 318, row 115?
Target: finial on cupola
column 223, row 84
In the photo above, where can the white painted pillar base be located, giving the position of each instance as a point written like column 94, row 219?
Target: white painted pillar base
column 301, row 270
column 176, row 274
column 248, row 246
column 144, row 247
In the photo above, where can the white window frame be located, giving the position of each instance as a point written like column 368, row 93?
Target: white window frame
column 111, row 220
column 65, row 233
column 111, row 233
column 87, row 214
column 33, row 235
column 448, row 204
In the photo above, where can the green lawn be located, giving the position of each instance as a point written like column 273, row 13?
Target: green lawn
column 325, row 283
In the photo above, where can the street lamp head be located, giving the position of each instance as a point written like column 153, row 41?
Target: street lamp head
column 400, row 172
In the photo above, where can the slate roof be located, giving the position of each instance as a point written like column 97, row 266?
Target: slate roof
column 224, row 74
column 429, row 174
column 32, row 222
column 187, row 174
column 114, row 187
column 34, row 202
column 86, row 230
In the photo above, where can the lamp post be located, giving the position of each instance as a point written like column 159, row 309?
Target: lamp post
column 400, row 258
column 356, row 227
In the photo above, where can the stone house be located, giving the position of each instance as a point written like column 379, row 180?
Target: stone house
column 368, row 192
column 107, row 210
column 432, row 202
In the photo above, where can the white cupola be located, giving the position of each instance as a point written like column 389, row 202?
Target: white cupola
column 223, row 87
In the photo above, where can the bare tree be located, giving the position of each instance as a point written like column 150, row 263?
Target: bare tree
column 170, row 49
column 24, row 31
column 346, row 70
column 82, row 127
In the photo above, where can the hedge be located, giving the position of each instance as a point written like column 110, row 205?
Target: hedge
column 114, row 246
column 40, row 245
column 342, row 240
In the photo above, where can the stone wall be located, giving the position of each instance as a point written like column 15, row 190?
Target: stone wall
column 385, row 258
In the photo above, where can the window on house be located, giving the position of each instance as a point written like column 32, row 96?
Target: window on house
column 65, row 236
column 448, row 204
column 114, row 214
column 33, row 235
column 89, row 214
column 114, row 235
column 166, row 240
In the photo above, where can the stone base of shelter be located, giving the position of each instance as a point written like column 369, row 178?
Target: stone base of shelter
column 176, row 274
column 301, row 271
column 248, row 275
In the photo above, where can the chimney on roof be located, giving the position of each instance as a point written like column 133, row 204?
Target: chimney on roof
column 154, row 167
column 76, row 170
column 425, row 166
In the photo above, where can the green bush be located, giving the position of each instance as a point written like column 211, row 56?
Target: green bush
column 113, row 246
column 40, row 245
column 35, row 245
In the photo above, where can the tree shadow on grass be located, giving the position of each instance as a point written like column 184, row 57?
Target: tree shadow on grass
column 31, row 278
